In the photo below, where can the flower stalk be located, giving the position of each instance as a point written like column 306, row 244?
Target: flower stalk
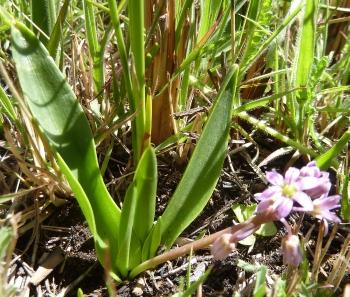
column 305, row 190
column 237, row 232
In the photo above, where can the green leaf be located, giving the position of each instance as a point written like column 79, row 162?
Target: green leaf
column 145, row 180
column 56, row 34
column 268, row 229
column 125, row 229
column 80, row 293
column 203, row 170
column 325, row 160
column 7, row 105
column 260, row 283
column 248, row 241
column 244, row 212
column 280, row 288
column 44, row 16
column 306, row 47
column 152, row 241
column 94, row 46
column 55, row 107
column 193, row 287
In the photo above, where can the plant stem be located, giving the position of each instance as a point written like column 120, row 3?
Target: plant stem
column 256, row 220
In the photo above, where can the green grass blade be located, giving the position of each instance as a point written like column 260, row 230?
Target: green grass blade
column 94, row 47
column 325, row 160
column 306, row 48
column 345, row 203
column 305, row 58
column 258, row 21
column 287, row 21
column 44, row 16
column 64, row 123
column 274, row 133
column 203, row 170
column 56, row 35
column 209, row 13
column 260, row 102
column 136, row 33
column 7, row 105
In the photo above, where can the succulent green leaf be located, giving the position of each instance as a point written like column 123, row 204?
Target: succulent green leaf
column 203, row 170
column 126, row 230
column 59, row 114
column 145, row 180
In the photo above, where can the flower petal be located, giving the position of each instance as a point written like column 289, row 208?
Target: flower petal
column 264, row 205
column 304, row 200
column 270, row 192
column 274, row 178
column 291, row 175
column 283, row 207
column 309, row 182
column 329, row 202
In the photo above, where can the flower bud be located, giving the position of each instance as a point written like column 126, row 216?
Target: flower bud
column 291, row 250
column 223, row 246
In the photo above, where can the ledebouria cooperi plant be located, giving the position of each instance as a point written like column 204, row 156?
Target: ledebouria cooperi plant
column 303, row 190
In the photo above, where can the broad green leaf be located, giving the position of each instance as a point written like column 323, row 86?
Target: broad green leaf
column 145, row 180
column 55, row 107
column 126, row 229
column 268, row 229
column 138, row 213
column 5, row 238
column 203, row 170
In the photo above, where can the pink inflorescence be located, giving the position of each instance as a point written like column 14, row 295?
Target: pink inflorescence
column 304, row 190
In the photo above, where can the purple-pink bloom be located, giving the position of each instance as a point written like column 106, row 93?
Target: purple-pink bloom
column 284, row 192
column 322, row 209
column 315, row 182
column 291, row 250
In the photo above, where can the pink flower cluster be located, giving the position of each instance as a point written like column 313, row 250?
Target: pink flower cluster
column 304, row 190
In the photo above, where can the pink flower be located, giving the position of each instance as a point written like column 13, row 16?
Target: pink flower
column 291, row 250
column 312, row 175
column 226, row 243
column 322, row 209
column 284, row 192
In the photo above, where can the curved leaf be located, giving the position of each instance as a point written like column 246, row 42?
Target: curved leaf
column 203, row 170
column 55, row 107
